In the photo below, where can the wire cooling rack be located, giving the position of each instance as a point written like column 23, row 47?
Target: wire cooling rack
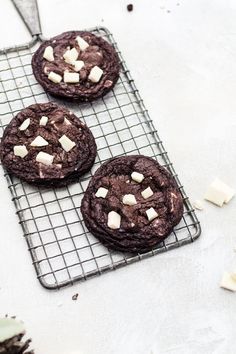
column 62, row 249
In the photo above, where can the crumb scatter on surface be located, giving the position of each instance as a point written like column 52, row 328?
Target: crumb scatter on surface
column 130, row 7
column 75, row 297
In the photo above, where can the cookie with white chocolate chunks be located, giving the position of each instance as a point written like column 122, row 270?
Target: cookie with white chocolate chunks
column 76, row 65
column 48, row 145
column 132, row 203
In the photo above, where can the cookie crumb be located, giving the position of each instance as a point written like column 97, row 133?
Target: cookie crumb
column 130, row 7
column 75, row 297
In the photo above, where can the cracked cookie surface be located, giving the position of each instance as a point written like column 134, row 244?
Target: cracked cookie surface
column 96, row 53
column 46, row 144
column 132, row 203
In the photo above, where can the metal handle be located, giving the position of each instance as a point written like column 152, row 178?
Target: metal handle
column 28, row 10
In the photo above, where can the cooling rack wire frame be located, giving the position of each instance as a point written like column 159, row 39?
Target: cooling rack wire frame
column 62, row 249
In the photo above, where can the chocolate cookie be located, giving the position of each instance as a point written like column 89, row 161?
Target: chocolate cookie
column 76, row 65
column 46, row 144
column 132, row 203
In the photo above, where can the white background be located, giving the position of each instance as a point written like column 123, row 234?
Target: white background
column 183, row 59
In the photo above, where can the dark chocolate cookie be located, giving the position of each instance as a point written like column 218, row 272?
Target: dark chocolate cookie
column 132, row 203
column 76, row 65
column 46, row 144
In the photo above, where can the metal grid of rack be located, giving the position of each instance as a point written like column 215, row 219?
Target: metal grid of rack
column 62, row 249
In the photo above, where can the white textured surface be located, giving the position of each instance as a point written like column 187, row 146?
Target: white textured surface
column 184, row 63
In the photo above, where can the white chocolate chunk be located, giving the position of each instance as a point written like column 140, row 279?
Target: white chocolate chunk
column 70, row 56
column 137, row 177
column 101, row 192
column 129, row 199
column 25, row 124
column 197, row 204
column 44, row 158
column 39, row 141
column 71, row 78
column 219, row 193
column 66, row 143
column 146, row 193
column 95, row 74
column 227, row 282
column 78, row 65
column 56, row 78
column 66, row 121
column 20, row 150
column 215, row 196
column 74, row 53
column 43, row 120
column 151, row 214
column 48, row 53
column 114, row 220
column 82, row 43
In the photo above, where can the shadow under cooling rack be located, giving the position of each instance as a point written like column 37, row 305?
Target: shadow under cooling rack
column 62, row 249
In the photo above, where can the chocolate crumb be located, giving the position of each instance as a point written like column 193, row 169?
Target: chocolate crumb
column 75, row 297
column 130, row 7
